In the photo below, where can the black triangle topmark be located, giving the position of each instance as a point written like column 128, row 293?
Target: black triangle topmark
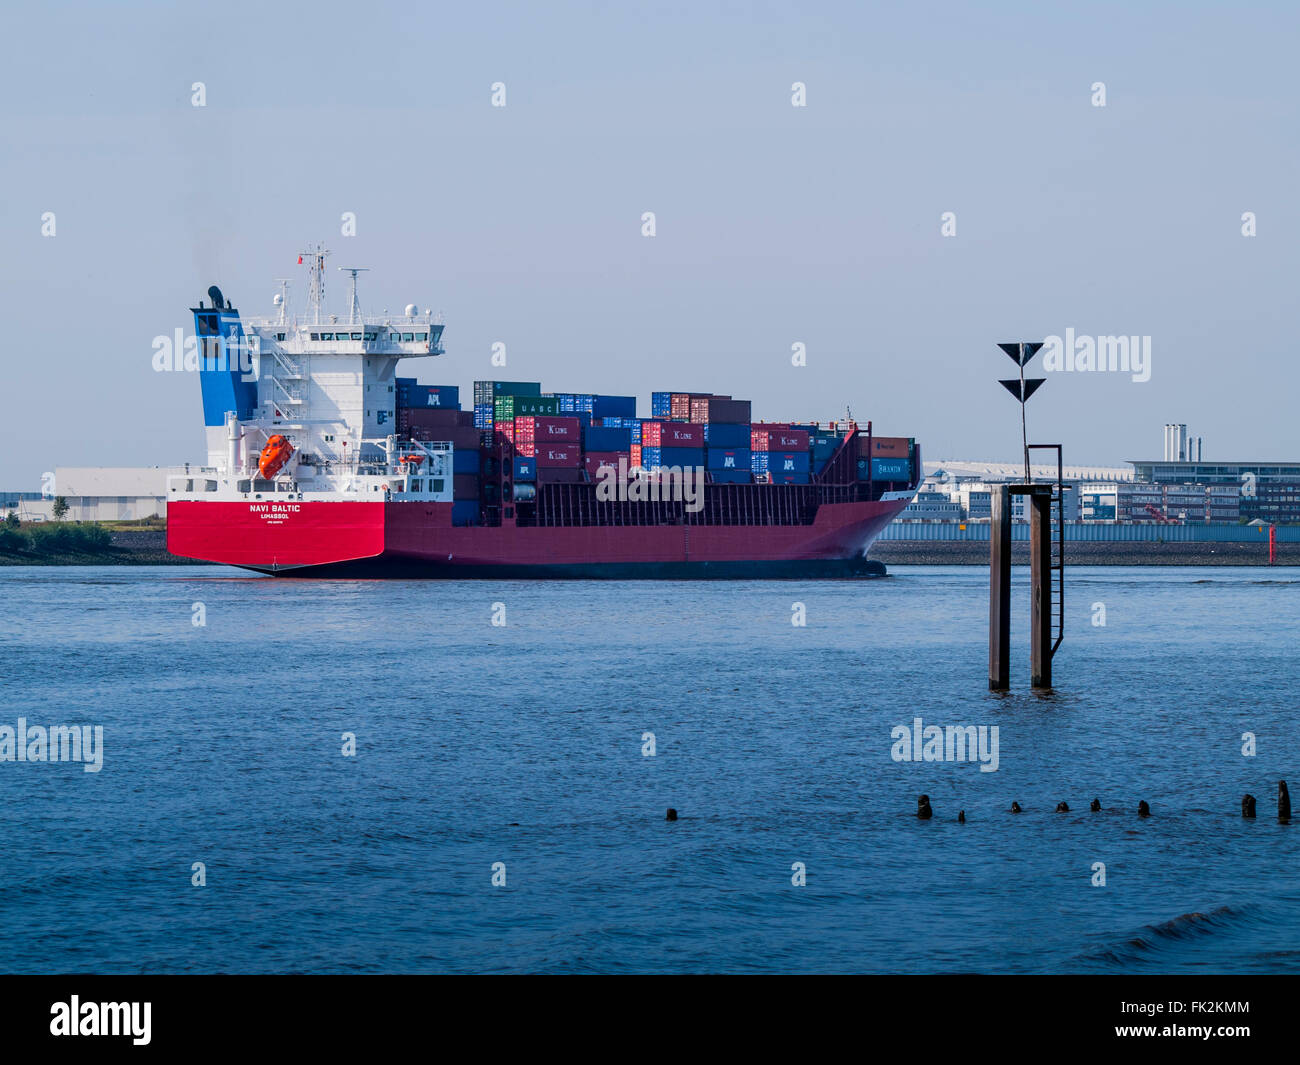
column 1015, row 349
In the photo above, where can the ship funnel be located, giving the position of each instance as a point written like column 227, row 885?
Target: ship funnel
column 232, row 444
column 218, row 300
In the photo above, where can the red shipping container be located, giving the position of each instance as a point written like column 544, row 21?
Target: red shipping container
column 788, row 440
column 679, row 434
column 892, row 446
column 461, row 437
column 431, row 417
column 596, row 459
column 525, row 435
column 679, row 404
column 558, row 474
column 634, row 459
column 556, row 428
column 558, row 455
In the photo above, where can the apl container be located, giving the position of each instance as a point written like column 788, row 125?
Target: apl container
column 525, row 468
column 786, row 461
column 727, row 458
column 443, row 397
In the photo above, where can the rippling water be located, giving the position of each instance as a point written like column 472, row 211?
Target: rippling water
column 522, row 745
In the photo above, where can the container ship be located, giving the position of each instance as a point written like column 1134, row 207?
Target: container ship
column 324, row 461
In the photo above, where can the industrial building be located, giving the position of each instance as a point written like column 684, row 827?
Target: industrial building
column 98, row 493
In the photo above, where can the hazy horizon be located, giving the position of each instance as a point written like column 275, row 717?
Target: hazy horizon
column 776, row 224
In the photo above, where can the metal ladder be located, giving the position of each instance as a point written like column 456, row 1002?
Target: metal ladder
column 1058, row 545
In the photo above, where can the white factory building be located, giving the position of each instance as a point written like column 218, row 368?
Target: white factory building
column 98, row 493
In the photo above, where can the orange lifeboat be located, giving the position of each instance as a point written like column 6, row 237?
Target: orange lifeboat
column 274, row 456
column 414, row 460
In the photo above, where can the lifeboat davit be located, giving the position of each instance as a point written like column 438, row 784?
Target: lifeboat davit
column 274, row 456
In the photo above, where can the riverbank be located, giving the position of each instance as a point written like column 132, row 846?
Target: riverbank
column 147, row 546
column 1113, row 553
column 124, row 545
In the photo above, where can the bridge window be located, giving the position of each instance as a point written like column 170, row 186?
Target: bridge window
column 356, row 336
column 407, row 337
column 315, row 336
column 327, row 336
column 421, row 337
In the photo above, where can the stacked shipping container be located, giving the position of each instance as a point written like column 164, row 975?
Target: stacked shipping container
column 568, row 436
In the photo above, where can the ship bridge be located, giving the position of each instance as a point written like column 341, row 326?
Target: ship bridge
column 398, row 336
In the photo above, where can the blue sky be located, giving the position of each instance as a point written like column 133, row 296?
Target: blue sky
column 775, row 224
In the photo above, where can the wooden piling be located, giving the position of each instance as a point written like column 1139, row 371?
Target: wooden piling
column 1000, row 589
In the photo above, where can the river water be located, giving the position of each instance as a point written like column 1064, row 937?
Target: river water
column 518, row 752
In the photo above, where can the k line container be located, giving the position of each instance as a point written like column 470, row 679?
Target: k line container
column 551, row 455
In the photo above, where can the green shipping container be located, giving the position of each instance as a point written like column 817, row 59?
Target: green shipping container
column 536, row 405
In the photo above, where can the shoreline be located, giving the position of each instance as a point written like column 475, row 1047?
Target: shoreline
column 148, row 547
column 1117, row 553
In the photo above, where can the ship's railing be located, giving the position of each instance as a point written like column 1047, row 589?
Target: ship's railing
column 295, row 322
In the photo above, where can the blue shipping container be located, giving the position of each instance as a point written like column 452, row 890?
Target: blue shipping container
column 790, row 478
column 891, row 469
column 464, row 512
column 731, row 476
column 483, row 415
column 726, row 434
column 672, row 456
column 603, row 438
column 465, row 460
column 613, row 406
column 441, row 397
column 661, row 404
column 735, row 458
column 783, row 461
column 525, row 469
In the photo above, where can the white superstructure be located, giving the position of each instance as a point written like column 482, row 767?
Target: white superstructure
column 326, row 383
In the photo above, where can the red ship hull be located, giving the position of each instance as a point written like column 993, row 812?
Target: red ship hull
column 417, row 539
